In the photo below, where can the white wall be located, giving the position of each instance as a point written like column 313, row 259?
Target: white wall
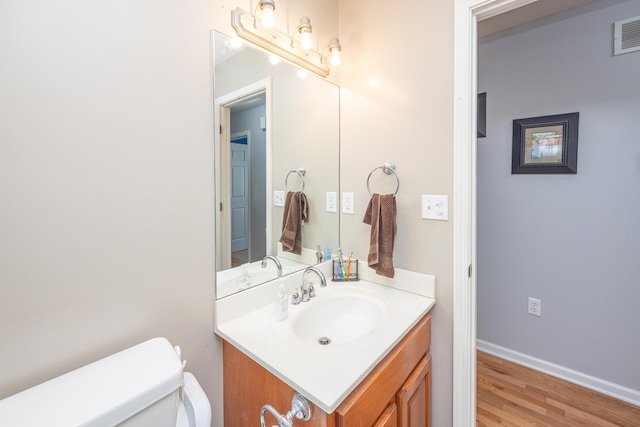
column 106, row 190
column 572, row 241
column 106, row 180
column 397, row 105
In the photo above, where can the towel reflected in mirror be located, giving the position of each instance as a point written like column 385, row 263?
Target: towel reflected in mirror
column 296, row 210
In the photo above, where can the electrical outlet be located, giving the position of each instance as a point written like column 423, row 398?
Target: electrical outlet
column 278, row 198
column 347, row 203
column 332, row 201
column 535, row 307
column 435, row 207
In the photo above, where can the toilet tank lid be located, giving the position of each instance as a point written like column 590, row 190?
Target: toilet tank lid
column 105, row 392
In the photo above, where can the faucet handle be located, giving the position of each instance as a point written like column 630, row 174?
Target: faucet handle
column 305, row 293
column 312, row 291
column 295, row 296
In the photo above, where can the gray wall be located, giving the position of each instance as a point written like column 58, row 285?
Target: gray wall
column 572, row 241
column 249, row 120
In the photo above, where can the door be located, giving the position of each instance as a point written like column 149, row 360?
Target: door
column 239, row 168
column 413, row 399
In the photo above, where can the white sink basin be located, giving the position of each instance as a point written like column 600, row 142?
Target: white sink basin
column 340, row 314
column 363, row 319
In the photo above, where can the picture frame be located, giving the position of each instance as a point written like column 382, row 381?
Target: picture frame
column 482, row 115
column 545, row 145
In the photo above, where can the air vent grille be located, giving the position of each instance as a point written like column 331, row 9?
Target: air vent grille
column 626, row 36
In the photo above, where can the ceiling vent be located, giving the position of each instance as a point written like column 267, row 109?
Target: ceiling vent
column 626, row 36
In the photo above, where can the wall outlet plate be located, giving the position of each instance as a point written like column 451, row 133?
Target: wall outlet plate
column 435, row 207
column 278, row 198
column 347, row 203
column 332, row 201
column 535, row 307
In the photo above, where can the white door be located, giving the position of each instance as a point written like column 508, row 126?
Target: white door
column 239, row 193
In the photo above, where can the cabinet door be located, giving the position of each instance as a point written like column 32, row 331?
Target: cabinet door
column 414, row 397
column 389, row 417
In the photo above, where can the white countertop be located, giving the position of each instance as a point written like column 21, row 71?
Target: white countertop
column 323, row 374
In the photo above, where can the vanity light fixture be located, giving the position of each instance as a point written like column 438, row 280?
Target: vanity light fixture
column 274, row 59
column 277, row 42
column 334, row 50
column 267, row 7
column 305, row 33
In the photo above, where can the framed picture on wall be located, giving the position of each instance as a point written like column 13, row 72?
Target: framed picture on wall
column 545, row 145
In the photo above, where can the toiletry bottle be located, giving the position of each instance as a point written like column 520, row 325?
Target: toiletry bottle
column 244, row 281
column 282, row 303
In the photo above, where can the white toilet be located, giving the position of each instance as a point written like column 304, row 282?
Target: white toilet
column 142, row 386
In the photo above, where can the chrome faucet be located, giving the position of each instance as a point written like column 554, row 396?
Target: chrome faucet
column 274, row 259
column 307, row 289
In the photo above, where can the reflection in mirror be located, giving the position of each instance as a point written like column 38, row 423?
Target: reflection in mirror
column 272, row 121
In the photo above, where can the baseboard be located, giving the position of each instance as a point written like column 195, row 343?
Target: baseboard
column 596, row 384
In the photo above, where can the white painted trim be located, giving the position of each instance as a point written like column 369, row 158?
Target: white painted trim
column 464, row 304
column 466, row 14
column 489, row 8
column 596, row 384
column 220, row 104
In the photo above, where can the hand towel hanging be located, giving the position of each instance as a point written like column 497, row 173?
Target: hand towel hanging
column 381, row 215
column 296, row 210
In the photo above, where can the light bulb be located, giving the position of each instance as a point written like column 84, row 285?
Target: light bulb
column 236, row 42
column 335, row 57
column 305, row 40
column 302, row 73
column 274, row 60
column 267, row 15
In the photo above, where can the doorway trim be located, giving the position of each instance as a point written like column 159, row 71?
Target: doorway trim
column 466, row 15
column 222, row 139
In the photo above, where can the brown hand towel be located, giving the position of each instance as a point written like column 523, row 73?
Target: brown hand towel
column 296, row 210
column 381, row 215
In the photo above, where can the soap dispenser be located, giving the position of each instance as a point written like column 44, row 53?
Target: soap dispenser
column 282, row 302
column 244, row 281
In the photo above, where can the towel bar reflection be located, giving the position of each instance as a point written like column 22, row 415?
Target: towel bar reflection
column 388, row 168
column 301, row 172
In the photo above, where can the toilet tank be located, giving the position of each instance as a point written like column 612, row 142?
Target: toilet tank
column 139, row 386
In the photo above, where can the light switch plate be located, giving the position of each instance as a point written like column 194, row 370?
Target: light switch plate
column 332, row 201
column 347, row 203
column 278, row 198
column 435, row 207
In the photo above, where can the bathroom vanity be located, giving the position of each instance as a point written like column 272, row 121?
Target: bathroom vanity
column 395, row 393
column 376, row 371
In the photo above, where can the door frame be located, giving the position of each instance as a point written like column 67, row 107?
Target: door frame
column 466, row 15
column 222, row 114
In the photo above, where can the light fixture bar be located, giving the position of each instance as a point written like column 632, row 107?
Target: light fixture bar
column 275, row 41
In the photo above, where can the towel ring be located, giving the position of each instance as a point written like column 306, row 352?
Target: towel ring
column 301, row 172
column 388, row 168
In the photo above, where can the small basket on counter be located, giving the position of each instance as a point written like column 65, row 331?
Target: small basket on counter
column 345, row 270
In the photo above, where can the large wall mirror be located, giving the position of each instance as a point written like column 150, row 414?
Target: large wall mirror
column 272, row 121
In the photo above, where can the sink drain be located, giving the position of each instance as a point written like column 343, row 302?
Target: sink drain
column 324, row 341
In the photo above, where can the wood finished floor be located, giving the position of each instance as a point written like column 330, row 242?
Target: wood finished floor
column 512, row 395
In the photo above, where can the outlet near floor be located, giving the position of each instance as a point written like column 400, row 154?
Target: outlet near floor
column 535, row 307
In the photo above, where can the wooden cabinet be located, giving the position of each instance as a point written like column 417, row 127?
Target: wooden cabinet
column 395, row 394
column 414, row 397
column 389, row 417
